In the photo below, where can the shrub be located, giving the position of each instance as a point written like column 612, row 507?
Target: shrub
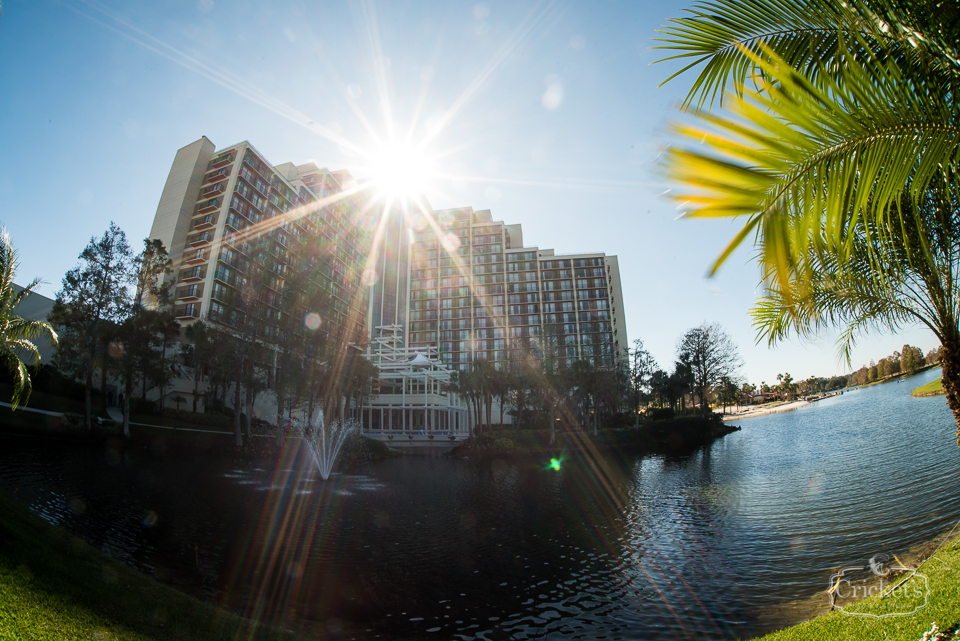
column 73, row 421
column 660, row 413
column 503, row 444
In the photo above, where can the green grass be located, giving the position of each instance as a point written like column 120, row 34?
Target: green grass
column 930, row 389
column 876, row 618
column 53, row 586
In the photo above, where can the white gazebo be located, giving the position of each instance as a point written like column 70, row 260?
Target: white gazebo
column 413, row 406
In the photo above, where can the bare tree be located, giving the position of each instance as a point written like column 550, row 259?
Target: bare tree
column 711, row 355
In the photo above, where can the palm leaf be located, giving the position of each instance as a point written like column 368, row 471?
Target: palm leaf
column 814, row 36
column 804, row 158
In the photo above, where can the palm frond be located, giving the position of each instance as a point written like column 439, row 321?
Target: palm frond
column 804, row 159
column 814, row 36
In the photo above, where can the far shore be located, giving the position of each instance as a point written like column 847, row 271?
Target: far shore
column 751, row 412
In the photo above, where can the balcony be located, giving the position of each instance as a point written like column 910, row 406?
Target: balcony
column 217, row 176
column 222, row 161
column 206, row 222
column 202, row 239
column 190, row 294
column 188, row 312
column 192, row 277
column 213, row 190
column 199, row 257
column 209, row 205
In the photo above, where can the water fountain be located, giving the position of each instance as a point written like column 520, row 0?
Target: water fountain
column 325, row 443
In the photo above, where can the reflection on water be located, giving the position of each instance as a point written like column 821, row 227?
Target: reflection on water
column 620, row 546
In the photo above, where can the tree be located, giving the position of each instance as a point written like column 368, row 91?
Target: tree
column 729, row 392
column 842, row 154
column 93, row 298
column 18, row 335
column 642, row 369
column 140, row 336
column 911, row 359
column 711, row 356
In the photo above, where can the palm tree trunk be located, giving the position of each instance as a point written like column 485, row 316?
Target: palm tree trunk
column 950, row 361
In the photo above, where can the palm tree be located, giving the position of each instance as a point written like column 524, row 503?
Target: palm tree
column 841, row 147
column 18, row 336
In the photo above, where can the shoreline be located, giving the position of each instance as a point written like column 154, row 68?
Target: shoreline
column 750, row 413
column 781, row 619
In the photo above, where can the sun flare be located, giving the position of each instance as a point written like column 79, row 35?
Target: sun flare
column 401, row 170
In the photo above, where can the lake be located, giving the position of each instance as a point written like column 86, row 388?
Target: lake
column 609, row 546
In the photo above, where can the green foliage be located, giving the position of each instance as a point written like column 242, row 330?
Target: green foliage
column 503, row 444
column 660, row 413
column 18, row 335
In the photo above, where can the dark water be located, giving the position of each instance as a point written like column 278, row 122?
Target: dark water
column 607, row 547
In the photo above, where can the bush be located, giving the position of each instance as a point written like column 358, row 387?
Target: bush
column 503, row 444
column 660, row 413
column 73, row 421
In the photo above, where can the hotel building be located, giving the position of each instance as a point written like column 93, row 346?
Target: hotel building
column 478, row 292
column 223, row 211
column 454, row 286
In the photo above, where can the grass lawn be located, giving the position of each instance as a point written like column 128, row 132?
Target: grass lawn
column 876, row 618
column 930, row 389
column 53, row 586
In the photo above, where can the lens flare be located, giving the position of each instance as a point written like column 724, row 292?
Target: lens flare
column 401, row 170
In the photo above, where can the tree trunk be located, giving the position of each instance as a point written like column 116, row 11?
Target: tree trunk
column 280, row 420
column 127, row 393
column 596, row 417
column 88, row 397
column 237, row 436
column 103, row 382
column 197, row 375
column 551, row 415
column 162, row 386
column 251, row 399
column 950, row 361
column 490, row 412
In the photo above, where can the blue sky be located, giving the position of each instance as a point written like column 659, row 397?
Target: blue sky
column 554, row 120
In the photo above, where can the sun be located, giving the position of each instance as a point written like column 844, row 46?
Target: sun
column 401, row 170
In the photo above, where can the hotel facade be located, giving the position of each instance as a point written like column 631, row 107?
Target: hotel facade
column 453, row 285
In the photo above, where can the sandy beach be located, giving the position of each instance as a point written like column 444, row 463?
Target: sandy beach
column 762, row 411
